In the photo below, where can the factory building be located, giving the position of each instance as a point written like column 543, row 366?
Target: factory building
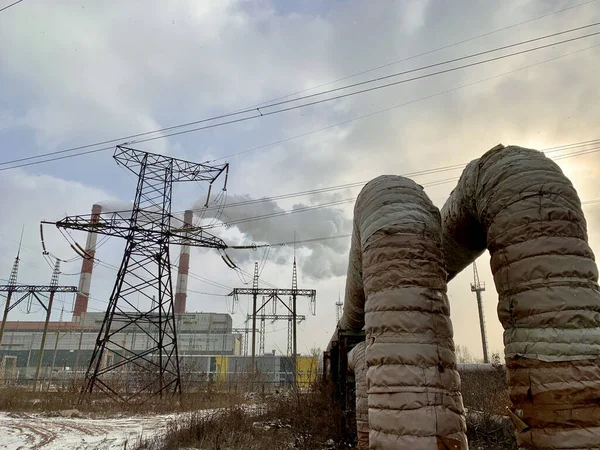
column 69, row 345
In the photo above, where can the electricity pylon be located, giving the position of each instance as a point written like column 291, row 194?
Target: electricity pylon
column 145, row 270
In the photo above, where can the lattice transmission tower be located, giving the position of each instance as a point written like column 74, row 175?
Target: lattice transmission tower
column 33, row 291
column 478, row 287
column 338, row 308
column 145, row 272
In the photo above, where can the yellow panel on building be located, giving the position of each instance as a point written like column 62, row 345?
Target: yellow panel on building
column 306, row 370
column 221, row 364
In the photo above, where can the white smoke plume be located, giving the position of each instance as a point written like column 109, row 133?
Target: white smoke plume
column 321, row 260
column 109, row 206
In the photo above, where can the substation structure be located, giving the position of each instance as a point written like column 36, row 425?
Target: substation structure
column 273, row 297
column 27, row 294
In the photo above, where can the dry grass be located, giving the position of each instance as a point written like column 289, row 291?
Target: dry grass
column 290, row 419
column 22, row 399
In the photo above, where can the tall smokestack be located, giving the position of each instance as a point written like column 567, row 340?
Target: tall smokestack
column 184, row 268
column 81, row 301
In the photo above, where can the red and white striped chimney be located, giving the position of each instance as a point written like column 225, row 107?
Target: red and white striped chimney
column 85, row 279
column 184, row 268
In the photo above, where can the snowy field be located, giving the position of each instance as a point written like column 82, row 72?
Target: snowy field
column 34, row 431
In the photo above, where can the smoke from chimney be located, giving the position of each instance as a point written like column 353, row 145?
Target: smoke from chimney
column 183, row 269
column 85, row 279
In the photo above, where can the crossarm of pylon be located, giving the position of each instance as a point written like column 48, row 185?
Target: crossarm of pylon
column 118, row 225
column 299, row 318
column 37, row 288
column 280, row 292
column 182, row 170
column 196, row 237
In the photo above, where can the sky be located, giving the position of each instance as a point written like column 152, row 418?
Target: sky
column 74, row 73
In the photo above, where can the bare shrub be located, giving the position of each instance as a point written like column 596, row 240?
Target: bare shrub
column 486, row 432
column 304, row 419
column 485, row 396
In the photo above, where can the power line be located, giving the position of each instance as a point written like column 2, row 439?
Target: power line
column 312, row 131
column 416, row 173
column 408, row 58
column 302, row 91
column 316, row 102
column 349, row 200
column 374, row 113
column 449, row 61
column 301, row 106
column 308, row 208
column 12, row 4
column 251, row 108
column 208, row 293
column 343, row 236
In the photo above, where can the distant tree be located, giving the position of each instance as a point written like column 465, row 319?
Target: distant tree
column 464, row 355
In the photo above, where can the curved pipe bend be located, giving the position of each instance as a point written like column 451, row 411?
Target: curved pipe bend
column 396, row 289
column 518, row 204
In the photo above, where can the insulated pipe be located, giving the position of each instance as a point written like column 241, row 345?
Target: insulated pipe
column 85, row 279
column 358, row 365
column 396, row 288
column 518, row 204
column 183, row 268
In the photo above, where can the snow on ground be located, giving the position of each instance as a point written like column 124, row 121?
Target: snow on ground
column 34, row 431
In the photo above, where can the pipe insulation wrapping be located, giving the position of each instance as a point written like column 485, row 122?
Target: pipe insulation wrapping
column 518, row 204
column 358, row 365
column 396, row 288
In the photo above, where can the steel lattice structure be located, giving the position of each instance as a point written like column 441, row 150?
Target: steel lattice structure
column 29, row 291
column 274, row 296
column 144, row 273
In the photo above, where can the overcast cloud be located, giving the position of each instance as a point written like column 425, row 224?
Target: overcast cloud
column 78, row 72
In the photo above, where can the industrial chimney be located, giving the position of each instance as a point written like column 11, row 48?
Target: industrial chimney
column 85, row 279
column 184, row 267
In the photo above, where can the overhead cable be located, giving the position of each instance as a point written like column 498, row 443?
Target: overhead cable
column 257, row 112
column 441, row 169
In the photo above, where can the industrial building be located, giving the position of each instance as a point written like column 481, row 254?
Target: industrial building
column 69, row 345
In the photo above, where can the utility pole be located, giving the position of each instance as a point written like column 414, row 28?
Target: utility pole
column 145, row 270
column 478, row 287
column 53, row 286
column 57, row 338
column 294, row 320
column 78, row 352
column 254, row 298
